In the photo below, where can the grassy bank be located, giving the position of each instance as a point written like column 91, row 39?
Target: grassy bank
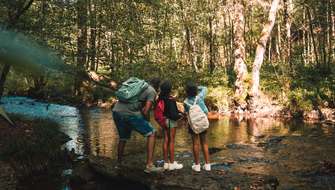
column 32, row 147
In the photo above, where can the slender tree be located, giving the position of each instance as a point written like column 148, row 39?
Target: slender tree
column 261, row 47
column 81, row 40
column 240, row 67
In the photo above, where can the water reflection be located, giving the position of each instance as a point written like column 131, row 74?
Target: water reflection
column 93, row 130
column 102, row 133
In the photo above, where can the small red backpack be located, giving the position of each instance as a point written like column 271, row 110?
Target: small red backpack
column 159, row 113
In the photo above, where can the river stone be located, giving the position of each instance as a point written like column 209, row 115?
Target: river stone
column 180, row 179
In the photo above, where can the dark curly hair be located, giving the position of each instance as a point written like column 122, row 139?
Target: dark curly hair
column 165, row 88
column 154, row 82
column 191, row 89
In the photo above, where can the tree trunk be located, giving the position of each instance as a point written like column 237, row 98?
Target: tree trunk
column 190, row 49
column 239, row 51
column 211, row 61
column 4, row 73
column 312, row 36
column 93, row 32
column 304, row 44
column 81, row 41
column 288, row 8
column 260, row 50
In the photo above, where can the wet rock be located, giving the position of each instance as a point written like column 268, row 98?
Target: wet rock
column 276, row 139
column 182, row 179
column 254, row 160
column 327, row 167
column 236, row 146
column 328, row 114
column 259, row 136
column 214, row 150
column 185, row 154
column 271, row 141
column 222, row 166
column 314, row 115
column 327, row 123
column 265, row 183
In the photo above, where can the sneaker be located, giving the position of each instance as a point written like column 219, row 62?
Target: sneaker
column 196, row 167
column 166, row 165
column 153, row 169
column 175, row 166
column 207, row 167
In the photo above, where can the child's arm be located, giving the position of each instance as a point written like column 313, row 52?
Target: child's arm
column 203, row 92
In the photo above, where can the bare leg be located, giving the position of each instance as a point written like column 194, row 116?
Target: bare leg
column 204, row 145
column 150, row 148
column 165, row 146
column 171, row 143
column 120, row 150
column 196, row 142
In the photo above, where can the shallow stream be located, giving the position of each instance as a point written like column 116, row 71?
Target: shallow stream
column 292, row 151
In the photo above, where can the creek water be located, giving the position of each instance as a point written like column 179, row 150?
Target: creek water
column 290, row 151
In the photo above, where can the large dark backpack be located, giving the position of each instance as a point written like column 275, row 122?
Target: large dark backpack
column 131, row 89
column 171, row 110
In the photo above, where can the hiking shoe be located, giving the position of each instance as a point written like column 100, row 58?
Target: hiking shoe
column 207, row 167
column 153, row 169
column 175, row 166
column 166, row 165
column 196, row 167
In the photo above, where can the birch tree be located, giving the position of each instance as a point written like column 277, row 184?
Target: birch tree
column 239, row 50
column 261, row 47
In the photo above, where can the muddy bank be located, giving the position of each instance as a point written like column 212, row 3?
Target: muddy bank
column 30, row 149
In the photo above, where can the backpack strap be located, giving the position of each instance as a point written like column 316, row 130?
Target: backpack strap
column 195, row 100
column 185, row 102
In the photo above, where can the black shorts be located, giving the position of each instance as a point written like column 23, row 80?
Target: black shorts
column 192, row 132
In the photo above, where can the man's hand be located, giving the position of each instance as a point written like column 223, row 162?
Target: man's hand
column 94, row 76
column 146, row 108
column 102, row 81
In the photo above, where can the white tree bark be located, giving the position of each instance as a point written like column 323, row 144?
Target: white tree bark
column 239, row 50
column 261, row 47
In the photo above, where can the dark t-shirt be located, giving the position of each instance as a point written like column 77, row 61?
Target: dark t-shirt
column 148, row 94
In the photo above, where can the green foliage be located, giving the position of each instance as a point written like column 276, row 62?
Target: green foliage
column 272, row 81
column 300, row 100
column 155, row 38
column 219, row 98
